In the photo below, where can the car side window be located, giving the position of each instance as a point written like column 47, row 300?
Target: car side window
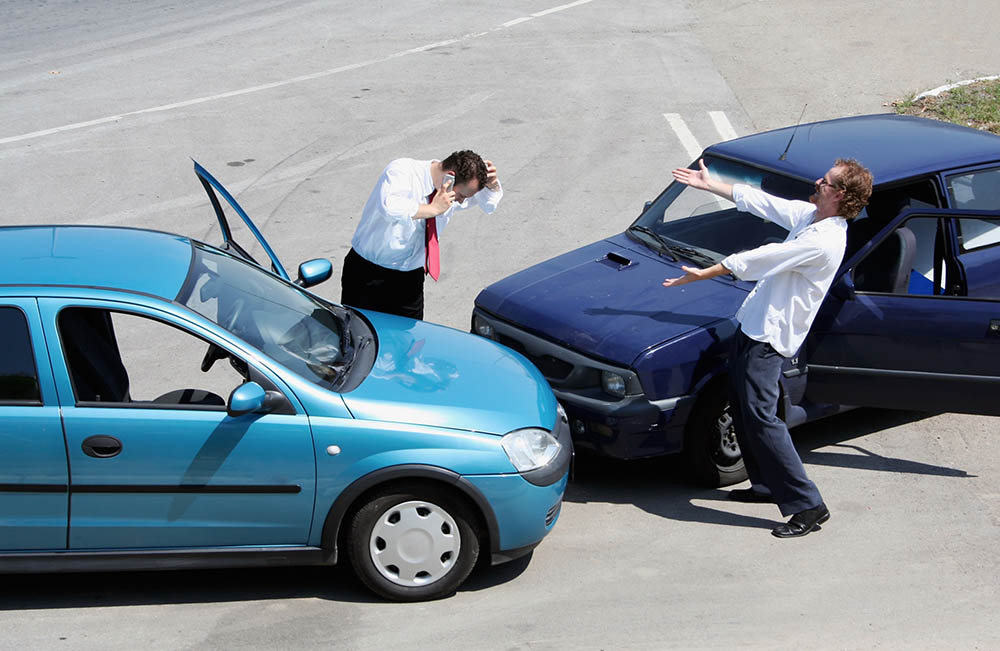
column 979, row 190
column 133, row 360
column 904, row 262
column 18, row 373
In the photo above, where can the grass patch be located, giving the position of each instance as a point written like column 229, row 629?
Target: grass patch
column 976, row 105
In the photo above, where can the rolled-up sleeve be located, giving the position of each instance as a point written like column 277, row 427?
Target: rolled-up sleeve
column 783, row 212
column 488, row 199
column 772, row 259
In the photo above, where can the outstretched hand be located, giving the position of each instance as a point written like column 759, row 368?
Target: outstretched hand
column 699, row 178
column 691, row 274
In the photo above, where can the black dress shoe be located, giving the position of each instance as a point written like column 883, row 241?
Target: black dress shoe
column 750, row 495
column 803, row 522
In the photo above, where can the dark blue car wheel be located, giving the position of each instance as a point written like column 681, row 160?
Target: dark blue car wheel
column 711, row 454
column 413, row 543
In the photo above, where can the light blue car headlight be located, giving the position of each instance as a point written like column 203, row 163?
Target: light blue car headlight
column 530, row 448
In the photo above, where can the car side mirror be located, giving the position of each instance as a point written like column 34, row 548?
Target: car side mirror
column 246, row 398
column 645, row 207
column 313, row 272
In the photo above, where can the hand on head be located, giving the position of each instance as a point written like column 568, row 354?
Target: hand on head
column 491, row 176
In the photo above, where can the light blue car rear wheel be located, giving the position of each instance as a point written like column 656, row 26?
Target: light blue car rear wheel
column 413, row 543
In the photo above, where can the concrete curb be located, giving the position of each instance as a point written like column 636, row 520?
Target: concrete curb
column 934, row 92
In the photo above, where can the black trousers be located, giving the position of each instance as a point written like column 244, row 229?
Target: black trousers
column 369, row 286
column 770, row 457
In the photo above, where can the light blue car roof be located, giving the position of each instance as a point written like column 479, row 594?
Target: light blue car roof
column 128, row 259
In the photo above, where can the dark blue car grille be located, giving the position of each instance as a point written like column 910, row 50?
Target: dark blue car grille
column 551, row 367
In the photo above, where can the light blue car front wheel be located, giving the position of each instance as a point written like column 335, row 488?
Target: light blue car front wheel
column 413, row 542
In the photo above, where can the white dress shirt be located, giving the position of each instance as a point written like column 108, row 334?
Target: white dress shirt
column 792, row 276
column 387, row 234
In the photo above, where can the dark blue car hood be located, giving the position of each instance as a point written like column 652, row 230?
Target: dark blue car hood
column 609, row 308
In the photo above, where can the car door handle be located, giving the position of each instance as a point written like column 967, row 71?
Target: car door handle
column 101, row 446
column 994, row 329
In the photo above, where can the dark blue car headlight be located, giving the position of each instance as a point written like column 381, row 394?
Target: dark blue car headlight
column 483, row 328
column 613, row 383
column 531, row 448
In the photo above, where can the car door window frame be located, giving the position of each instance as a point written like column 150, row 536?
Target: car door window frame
column 27, row 402
column 253, row 374
column 949, row 178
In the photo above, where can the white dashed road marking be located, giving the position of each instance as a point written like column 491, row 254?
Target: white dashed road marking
column 684, row 134
column 722, row 125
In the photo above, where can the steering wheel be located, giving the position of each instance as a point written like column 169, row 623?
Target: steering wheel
column 212, row 355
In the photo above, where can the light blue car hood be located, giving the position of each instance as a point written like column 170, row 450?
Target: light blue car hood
column 428, row 374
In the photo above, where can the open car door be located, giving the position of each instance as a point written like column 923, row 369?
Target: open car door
column 212, row 186
column 907, row 326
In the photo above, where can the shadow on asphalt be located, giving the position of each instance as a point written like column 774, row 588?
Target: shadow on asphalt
column 654, row 485
column 101, row 590
column 658, row 485
column 105, row 589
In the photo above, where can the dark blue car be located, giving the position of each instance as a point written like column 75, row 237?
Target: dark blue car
column 912, row 321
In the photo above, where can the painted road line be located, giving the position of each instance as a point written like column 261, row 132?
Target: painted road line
column 546, row 12
column 284, row 82
column 517, row 21
column 722, row 125
column 683, row 134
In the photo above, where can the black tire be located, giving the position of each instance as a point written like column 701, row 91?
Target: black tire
column 711, row 454
column 431, row 520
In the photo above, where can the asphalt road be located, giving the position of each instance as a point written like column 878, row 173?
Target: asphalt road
column 296, row 107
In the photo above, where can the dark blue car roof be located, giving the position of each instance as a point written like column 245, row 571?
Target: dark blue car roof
column 893, row 147
column 127, row 259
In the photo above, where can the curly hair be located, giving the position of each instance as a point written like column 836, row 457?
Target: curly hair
column 856, row 182
column 466, row 165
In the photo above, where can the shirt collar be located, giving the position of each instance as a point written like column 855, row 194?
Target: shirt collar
column 428, row 180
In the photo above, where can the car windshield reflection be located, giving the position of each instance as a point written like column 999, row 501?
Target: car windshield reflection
column 687, row 225
column 310, row 337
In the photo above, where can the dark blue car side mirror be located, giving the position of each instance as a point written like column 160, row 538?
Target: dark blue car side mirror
column 313, row 272
column 246, row 398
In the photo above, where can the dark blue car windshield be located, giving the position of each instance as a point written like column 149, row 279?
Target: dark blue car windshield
column 310, row 337
column 708, row 225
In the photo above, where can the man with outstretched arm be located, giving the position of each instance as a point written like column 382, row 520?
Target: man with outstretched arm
column 792, row 278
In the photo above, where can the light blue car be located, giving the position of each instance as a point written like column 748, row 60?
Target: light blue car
column 168, row 404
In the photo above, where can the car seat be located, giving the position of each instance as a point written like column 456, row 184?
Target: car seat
column 888, row 267
column 92, row 356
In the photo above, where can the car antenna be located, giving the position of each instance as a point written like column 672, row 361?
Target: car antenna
column 790, row 139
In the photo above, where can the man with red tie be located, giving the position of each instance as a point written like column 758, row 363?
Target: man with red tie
column 396, row 242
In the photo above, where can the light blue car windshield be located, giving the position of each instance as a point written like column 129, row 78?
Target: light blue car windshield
column 288, row 325
column 706, row 228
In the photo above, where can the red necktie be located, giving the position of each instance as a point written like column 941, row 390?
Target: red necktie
column 432, row 260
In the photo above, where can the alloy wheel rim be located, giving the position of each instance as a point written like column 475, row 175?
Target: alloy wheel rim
column 728, row 450
column 414, row 543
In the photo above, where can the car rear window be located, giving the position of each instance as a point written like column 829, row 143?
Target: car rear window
column 18, row 374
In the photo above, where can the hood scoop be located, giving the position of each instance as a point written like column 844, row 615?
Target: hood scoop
column 616, row 261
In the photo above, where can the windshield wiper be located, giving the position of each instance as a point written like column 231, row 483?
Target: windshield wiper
column 691, row 254
column 664, row 245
